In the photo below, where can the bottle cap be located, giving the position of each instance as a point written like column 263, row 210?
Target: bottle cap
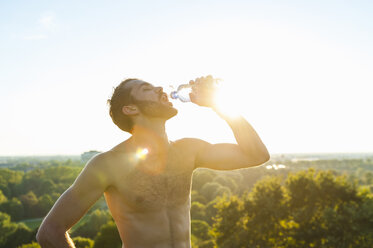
column 174, row 95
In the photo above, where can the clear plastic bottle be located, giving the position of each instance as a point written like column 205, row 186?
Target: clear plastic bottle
column 182, row 93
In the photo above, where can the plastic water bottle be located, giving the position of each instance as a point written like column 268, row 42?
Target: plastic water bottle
column 182, row 93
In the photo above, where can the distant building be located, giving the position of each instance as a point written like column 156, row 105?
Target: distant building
column 88, row 155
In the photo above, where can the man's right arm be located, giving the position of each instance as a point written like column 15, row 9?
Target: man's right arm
column 74, row 203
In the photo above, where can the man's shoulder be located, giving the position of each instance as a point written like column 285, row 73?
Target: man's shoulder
column 110, row 156
column 100, row 160
column 190, row 143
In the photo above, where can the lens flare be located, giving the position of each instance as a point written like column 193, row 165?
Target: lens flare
column 141, row 153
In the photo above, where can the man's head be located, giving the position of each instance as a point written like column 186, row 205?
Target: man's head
column 134, row 97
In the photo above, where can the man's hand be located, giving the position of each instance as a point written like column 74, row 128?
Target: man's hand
column 204, row 91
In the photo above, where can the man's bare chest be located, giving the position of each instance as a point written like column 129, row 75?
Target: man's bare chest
column 156, row 183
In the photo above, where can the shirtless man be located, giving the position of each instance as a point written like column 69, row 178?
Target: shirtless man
column 146, row 180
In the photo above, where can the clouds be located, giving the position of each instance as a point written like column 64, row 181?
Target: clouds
column 47, row 21
column 45, row 26
column 35, row 37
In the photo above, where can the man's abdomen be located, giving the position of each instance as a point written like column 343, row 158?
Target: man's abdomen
column 163, row 228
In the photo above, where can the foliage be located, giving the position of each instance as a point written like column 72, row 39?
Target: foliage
column 209, row 190
column 228, row 182
column 9, row 180
column 45, row 203
column 229, row 209
column 31, row 245
column 108, row 236
column 81, row 242
column 92, row 224
column 201, row 229
column 207, row 244
column 200, row 177
column 21, row 235
column 197, row 211
column 2, row 197
column 6, row 228
column 32, row 192
column 197, row 197
column 14, row 208
column 29, row 202
column 310, row 209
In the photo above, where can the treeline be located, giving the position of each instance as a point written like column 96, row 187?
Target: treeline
column 28, row 190
column 306, row 209
column 254, row 207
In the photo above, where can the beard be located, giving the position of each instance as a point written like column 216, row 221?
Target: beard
column 155, row 109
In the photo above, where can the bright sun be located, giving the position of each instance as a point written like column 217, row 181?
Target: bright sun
column 227, row 100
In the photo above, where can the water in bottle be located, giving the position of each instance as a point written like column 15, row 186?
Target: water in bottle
column 182, row 93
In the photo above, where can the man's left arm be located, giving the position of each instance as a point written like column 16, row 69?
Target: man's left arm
column 249, row 150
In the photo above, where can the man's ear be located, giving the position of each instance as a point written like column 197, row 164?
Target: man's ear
column 130, row 110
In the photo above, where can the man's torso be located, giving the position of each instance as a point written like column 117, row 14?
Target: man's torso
column 150, row 196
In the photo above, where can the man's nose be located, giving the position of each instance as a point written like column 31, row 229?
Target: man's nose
column 158, row 89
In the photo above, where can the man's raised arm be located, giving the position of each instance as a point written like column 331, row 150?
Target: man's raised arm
column 249, row 150
column 73, row 204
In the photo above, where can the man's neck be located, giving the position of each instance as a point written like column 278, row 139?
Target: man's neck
column 150, row 135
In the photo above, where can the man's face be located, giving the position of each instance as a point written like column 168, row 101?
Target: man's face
column 151, row 101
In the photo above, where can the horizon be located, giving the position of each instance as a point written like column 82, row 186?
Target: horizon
column 272, row 154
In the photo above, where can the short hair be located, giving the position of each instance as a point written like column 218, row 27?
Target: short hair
column 121, row 97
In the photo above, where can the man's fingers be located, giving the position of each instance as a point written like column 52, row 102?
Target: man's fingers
column 192, row 97
column 203, row 81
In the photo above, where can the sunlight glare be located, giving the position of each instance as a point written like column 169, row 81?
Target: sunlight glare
column 141, row 153
column 226, row 101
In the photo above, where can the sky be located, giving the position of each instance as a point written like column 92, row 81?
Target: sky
column 299, row 71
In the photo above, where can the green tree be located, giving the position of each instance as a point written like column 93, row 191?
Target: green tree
column 368, row 177
column 313, row 196
column 209, row 190
column 81, row 242
column 62, row 174
column 211, row 211
column 228, row 227
column 312, row 209
column 227, row 181
column 9, row 181
column 47, row 186
column 32, row 181
column 45, row 203
column 14, row 208
column 108, row 237
column 92, row 224
column 201, row 177
column 29, row 202
column 197, row 211
column 31, row 245
column 264, row 208
column 207, row 244
column 21, row 235
column 197, row 197
column 200, row 229
column 6, row 228
column 223, row 191
column 2, row 197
